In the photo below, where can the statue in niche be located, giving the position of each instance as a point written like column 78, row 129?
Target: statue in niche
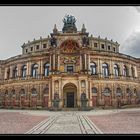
column 53, row 41
column 56, row 100
column 85, row 41
column 83, row 100
column 83, row 96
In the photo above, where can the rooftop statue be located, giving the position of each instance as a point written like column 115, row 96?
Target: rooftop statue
column 68, row 19
column 69, row 24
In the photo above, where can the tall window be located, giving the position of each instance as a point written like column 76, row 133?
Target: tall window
column 116, row 70
column 15, row 72
column 128, row 92
column 6, row 93
column 135, row 92
column 94, row 90
column 35, row 70
column 24, row 70
column 46, row 69
column 105, row 70
column 118, row 91
column 8, row 73
column 34, row 92
column 124, row 71
column 13, row 93
column 133, row 72
column 95, row 45
column 70, row 69
column 46, row 90
column 93, row 68
column 102, row 46
column 83, row 84
column 22, row 92
column 106, row 91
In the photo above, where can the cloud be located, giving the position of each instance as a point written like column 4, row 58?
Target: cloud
column 137, row 8
column 132, row 45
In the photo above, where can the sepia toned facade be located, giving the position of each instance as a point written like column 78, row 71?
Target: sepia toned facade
column 69, row 69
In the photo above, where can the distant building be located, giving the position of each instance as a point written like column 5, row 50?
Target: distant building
column 69, row 69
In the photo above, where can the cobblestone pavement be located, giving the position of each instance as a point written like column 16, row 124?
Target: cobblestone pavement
column 17, row 123
column 124, row 122
column 70, row 122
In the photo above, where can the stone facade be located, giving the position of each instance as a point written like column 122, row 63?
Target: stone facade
column 55, row 72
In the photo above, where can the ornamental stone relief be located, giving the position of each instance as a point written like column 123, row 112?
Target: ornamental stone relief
column 70, row 59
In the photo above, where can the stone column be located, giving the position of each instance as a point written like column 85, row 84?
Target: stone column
column 19, row 70
column 58, row 66
column 129, row 70
column 40, row 68
column 99, row 93
column 90, row 94
column 111, row 68
column 53, row 61
column 79, row 93
column 50, row 63
column 113, row 73
column 80, row 63
column 53, row 88
column 40, row 92
column 100, row 65
column 85, row 61
column 136, row 73
column 89, row 72
column 5, row 73
column 87, row 90
column 50, row 94
column 11, row 71
column 60, row 94
column 28, row 69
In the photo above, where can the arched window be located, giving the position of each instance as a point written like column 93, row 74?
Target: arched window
column 118, row 91
column 13, row 93
column 105, row 70
column 46, row 69
column 15, row 72
column 24, row 70
column 93, row 68
column 6, row 93
column 133, row 72
column 124, row 71
column 34, row 92
column 128, row 92
column 22, row 92
column 35, row 71
column 94, row 90
column 106, row 91
column 116, row 70
column 46, row 90
column 135, row 92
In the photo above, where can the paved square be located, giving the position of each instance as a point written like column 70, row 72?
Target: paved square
column 123, row 121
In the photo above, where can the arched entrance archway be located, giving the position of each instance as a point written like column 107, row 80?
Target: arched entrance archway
column 70, row 95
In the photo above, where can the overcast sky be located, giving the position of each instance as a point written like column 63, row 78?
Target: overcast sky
column 20, row 24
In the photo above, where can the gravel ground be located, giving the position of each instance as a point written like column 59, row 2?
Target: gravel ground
column 17, row 123
column 126, row 122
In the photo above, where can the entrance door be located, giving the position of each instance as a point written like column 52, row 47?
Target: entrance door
column 70, row 99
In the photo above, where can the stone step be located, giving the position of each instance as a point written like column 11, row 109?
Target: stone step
column 69, row 109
